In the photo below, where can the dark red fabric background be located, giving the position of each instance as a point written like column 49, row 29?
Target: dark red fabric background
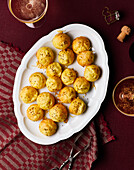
column 120, row 153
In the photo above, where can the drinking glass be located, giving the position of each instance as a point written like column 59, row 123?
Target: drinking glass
column 30, row 12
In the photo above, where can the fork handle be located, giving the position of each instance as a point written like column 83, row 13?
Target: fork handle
column 64, row 163
column 70, row 165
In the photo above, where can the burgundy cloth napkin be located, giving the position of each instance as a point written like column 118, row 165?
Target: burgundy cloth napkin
column 18, row 152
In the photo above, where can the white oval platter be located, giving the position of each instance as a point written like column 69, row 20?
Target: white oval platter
column 93, row 98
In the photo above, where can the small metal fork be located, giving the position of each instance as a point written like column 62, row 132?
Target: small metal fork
column 70, row 158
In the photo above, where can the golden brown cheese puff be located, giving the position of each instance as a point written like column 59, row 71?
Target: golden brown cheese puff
column 54, row 69
column 66, row 57
column 58, row 113
column 80, row 44
column 92, row 73
column 68, row 76
column 37, row 80
column 81, row 85
column 85, row 58
column 67, row 94
column 34, row 112
column 45, row 56
column 61, row 41
column 45, row 100
column 48, row 127
column 77, row 106
column 28, row 94
column 54, row 83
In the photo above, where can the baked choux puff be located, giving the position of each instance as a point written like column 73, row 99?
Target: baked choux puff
column 37, row 80
column 54, row 83
column 58, row 113
column 34, row 112
column 92, row 73
column 68, row 76
column 67, row 94
column 81, row 44
column 28, row 94
column 54, row 69
column 47, row 127
column 77, row 106
column 81, row 85
column 85, row 58
column 66, row 57
column 45, row 100
column 45, row 56
column 61, row 41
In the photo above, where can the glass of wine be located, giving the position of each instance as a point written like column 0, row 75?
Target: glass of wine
column 30, row 12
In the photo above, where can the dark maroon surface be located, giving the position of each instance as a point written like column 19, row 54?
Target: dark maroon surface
column 119, row 154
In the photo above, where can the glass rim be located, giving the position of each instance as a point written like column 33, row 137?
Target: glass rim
column 28, row 21
column 113, row 95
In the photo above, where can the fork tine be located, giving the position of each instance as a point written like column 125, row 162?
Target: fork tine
column 79, row 135
column 88, row 144
column 85, row 148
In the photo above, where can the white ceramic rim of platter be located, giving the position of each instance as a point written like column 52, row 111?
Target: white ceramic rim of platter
column 22, row 67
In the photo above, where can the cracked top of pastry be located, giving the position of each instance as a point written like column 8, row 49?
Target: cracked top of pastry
column 92, row 73
column 37, row 80
column 28, row 94
column 45, row 56
column 48, row 127
column 81, row 85
column 81, row 44
column 54, row 69
column 67, row 94
column 58, row 113
column 77, row 106
column 61, row 41
column 45, row 100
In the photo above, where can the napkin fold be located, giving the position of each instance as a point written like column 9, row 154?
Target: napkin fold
column 18, row 152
